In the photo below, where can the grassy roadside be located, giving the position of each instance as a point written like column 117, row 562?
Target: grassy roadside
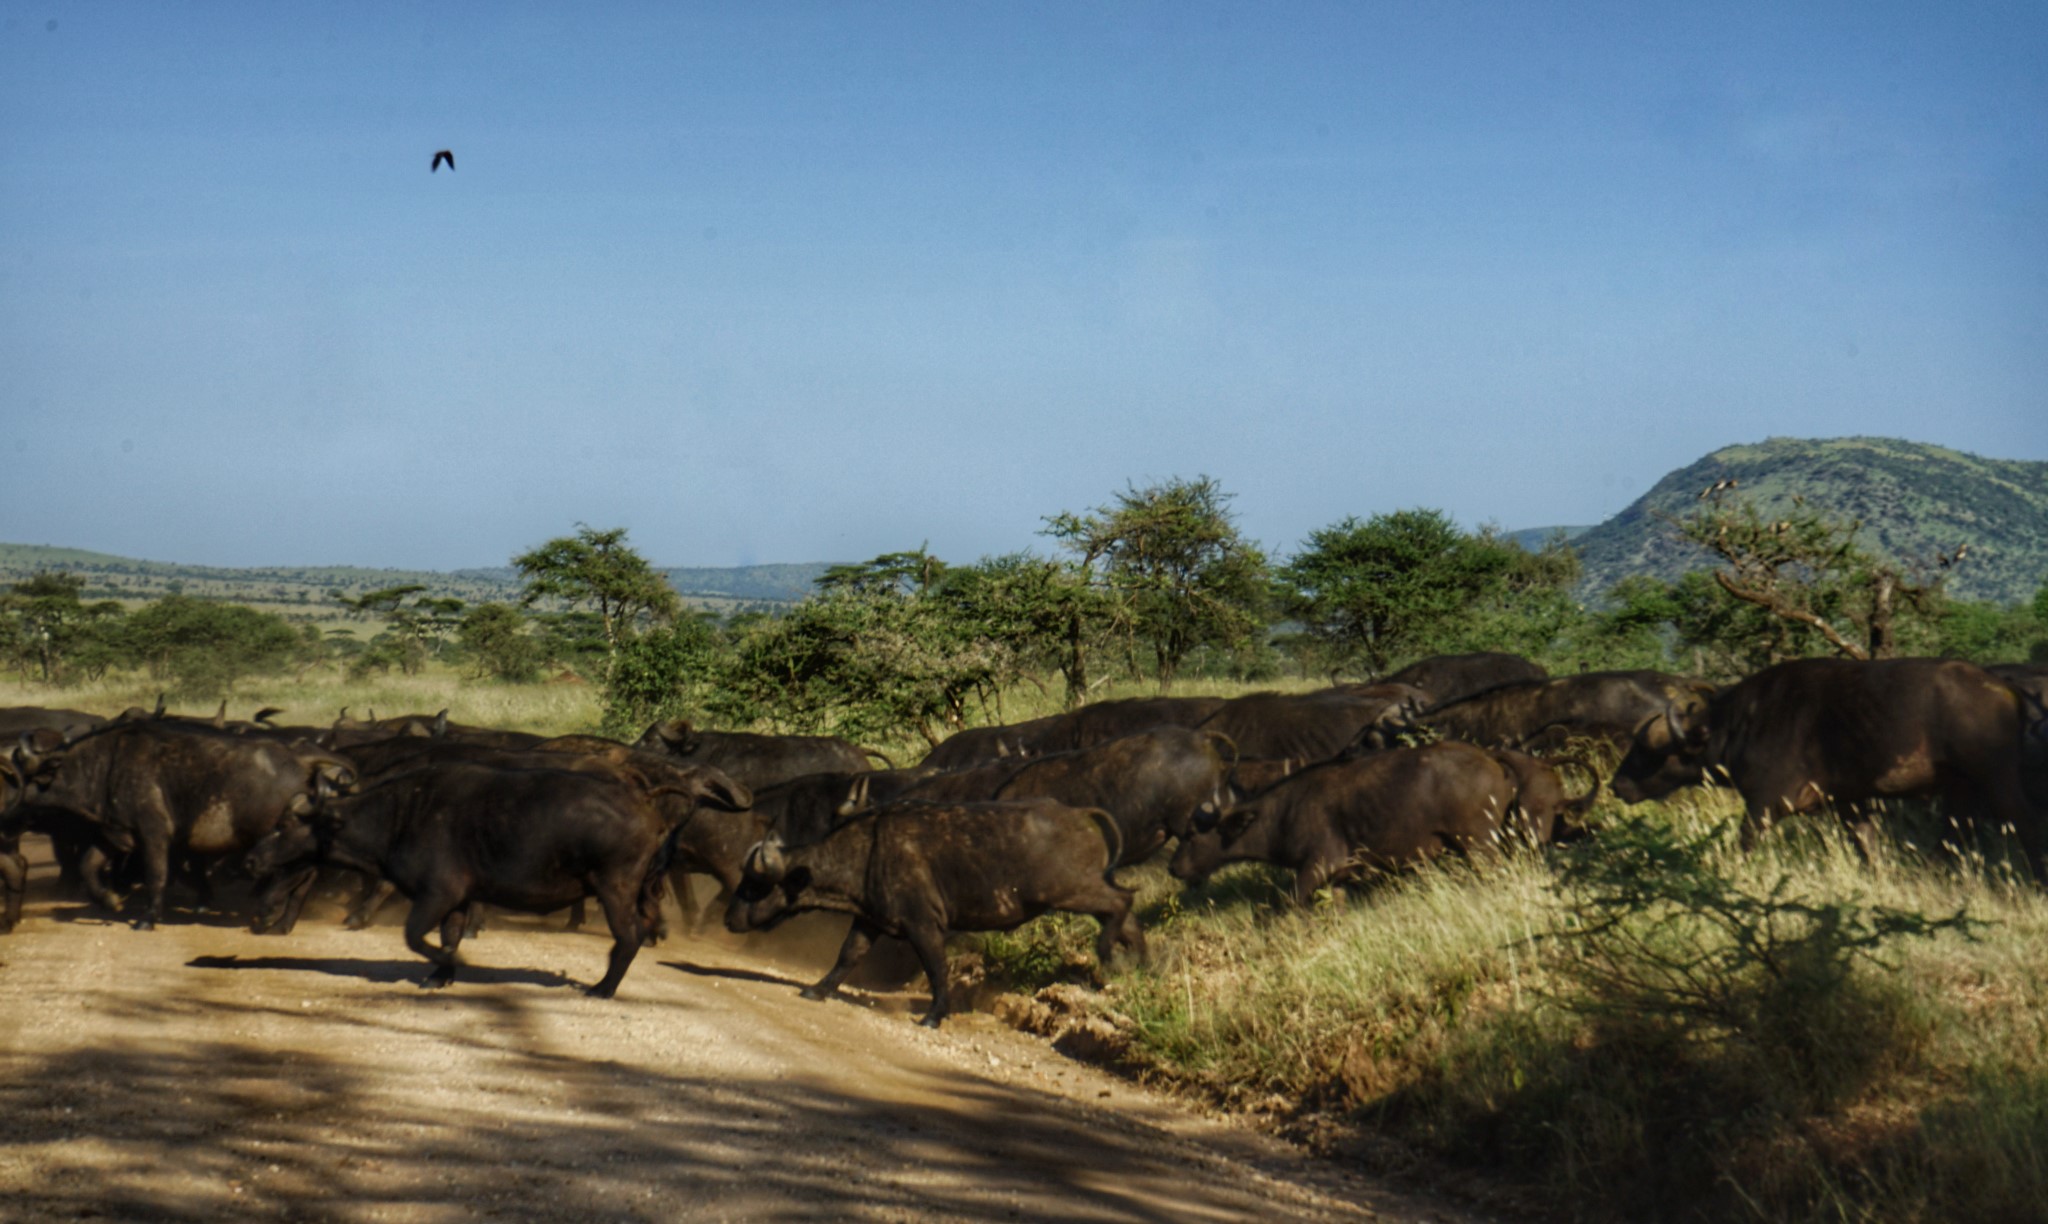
column 1453, row 1011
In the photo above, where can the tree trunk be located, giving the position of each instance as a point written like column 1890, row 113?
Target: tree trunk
column 1883, row 586
column 1075, row 667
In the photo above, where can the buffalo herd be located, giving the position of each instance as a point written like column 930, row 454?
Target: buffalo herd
column 1457, row 754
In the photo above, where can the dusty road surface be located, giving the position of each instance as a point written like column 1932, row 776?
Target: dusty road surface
column 199, row 1072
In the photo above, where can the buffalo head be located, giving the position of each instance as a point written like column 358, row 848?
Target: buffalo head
column 1668, row 753
column 768, row 887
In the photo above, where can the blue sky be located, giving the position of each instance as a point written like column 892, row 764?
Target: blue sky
column 816, row 281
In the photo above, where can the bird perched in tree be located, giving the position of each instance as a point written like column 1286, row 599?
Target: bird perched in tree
column 443, row 156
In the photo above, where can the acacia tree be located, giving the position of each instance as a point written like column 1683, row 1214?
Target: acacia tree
column 1371, row 591
column 1172, row 555
column 46, row 624
column 418, row 624
column 1044, row 610
column 1806, row 574
column 597, row 569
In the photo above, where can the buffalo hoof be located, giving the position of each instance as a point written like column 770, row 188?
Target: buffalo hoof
column 145, row 924
column 600, row 991
column 933, row 1020
column 436, row 980
column 356, row 922
column 816, row 993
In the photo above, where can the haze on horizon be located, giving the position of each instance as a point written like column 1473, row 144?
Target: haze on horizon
column 817, row 281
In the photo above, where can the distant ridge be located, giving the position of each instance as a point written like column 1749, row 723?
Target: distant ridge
column 1913, row 499
column 110, row 576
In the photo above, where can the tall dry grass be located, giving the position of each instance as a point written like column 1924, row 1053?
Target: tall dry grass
column 319, row 696
column 1432, row 1008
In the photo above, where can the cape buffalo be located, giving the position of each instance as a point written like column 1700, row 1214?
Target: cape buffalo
column 174, row 789
column 1153, row 783
column 1813, row 731
column 1544, row 713
column 1449, row 677
column 13, row 867
column 1335, row 820
column 1085, row 727
column 530, row 839
column 921, row 870
column 1306, row 726
column 714, row 843
column 754, row 761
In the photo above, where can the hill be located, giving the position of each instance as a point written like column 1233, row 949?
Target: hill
column 112, row 577
column 1913, row 500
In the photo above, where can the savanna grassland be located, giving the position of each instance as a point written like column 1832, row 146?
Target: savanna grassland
column 1649, row 1025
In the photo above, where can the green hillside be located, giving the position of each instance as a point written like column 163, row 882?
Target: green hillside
column 1913, row 499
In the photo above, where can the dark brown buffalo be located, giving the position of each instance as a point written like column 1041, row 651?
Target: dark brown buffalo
column 920, row 871
column 2027, row 677
column 980, row 745
column 13, row 867
column 1450, row 677
column 1153, row 783
column 173, row 790
column 1542, row 812
column 15, row 720
column 459, row 834
column 1335, row 820
column 1534, row 714
column 722, row 818
column 755, row 761
column 1102, row 721
column 1085, row 727
column 1814, row 731
column 1306, row 726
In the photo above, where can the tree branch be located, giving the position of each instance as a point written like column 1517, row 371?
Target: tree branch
column 1779, row 608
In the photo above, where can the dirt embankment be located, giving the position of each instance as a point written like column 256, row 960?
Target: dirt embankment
column 199, row 1072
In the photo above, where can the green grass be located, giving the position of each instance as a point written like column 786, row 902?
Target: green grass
column 1426, row 1009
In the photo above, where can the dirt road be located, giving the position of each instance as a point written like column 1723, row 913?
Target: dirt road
column 202, row 1073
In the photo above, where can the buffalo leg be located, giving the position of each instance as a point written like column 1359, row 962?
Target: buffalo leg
column 858, row 941
column 69, row 850
column 452, row 927
column 622, row 914
column 686, row 897
column 428, row 912
column 929, row 942
column 579, row 913
column 375, row 893
column 284, row 896
column 92, row 866
column 13, row 881
column 1118, row 926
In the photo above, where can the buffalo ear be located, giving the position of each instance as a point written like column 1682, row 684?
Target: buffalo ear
column 720, row 791
column 331, row 778
column 301, row 806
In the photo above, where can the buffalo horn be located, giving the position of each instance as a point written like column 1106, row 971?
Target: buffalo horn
column 1674, row 722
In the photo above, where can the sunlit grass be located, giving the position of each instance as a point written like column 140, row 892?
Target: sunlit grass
column 556, row 708
column 1428, row 1006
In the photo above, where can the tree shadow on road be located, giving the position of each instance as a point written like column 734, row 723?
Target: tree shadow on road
column 230, row 1129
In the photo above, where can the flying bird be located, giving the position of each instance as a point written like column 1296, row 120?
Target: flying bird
column 443, row 156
